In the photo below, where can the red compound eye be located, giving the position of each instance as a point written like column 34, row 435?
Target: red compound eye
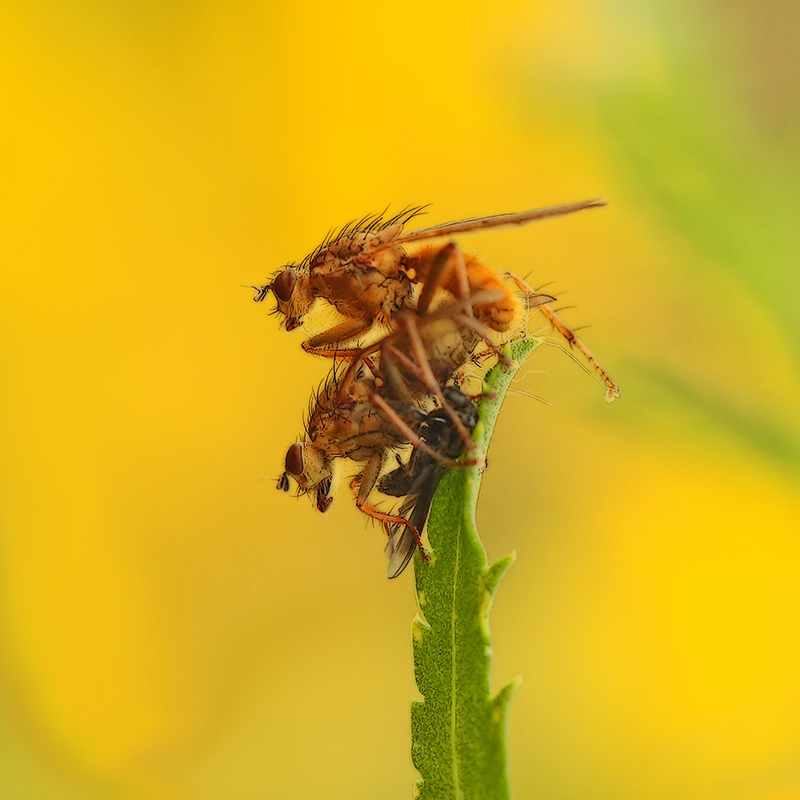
column 294, row 459
column 284, row 284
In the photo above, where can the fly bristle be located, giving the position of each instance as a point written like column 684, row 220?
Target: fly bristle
column 367, row 224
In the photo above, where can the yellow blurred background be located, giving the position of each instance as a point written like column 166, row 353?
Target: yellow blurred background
column 173, row 627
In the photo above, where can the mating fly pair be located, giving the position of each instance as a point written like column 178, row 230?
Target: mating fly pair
column 402, row 389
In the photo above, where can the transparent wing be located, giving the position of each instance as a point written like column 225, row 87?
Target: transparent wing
column 498, row 220
column 399, row 549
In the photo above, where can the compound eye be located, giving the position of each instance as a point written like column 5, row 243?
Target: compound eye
column 294, row 459
column 284, row 284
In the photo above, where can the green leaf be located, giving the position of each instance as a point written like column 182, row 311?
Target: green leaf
column 458, row 729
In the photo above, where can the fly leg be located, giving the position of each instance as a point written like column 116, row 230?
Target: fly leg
column 485, row 333
column 612, row 392
column 366, row 483
column 343, row 332
column 425, row 373
column 358, row 358
column 434, row 272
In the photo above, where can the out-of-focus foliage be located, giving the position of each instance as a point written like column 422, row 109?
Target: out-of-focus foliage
column 173, row 627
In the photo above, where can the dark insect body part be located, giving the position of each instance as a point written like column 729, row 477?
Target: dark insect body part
column 418, row 480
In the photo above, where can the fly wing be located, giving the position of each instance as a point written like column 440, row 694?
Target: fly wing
column 400, row 548
column 519, row 218
column 402, row 543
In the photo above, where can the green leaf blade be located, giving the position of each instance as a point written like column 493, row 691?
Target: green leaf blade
column 458, row 728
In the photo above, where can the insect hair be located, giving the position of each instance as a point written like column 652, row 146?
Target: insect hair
column 367, row 224
column 323, row 394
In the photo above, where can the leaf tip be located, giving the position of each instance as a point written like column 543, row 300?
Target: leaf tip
column 503, row 698
column 497, row 571
column 419, row 627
